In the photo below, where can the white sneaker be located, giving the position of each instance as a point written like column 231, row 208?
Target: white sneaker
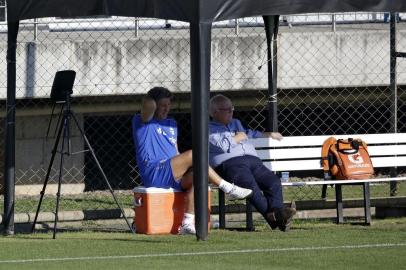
column 187, row 229
column 238, row 193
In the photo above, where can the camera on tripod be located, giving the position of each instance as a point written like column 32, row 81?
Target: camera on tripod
column 61, row 93
column 62, row 87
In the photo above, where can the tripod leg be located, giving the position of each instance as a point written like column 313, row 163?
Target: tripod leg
column 58, row 194
column 102, row 172
column 54, row 150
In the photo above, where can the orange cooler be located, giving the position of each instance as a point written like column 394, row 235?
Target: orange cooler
column 159, row 210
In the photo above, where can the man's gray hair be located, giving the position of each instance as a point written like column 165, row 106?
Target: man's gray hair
column 215, row 101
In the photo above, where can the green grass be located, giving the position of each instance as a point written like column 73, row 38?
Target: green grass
column 309, row 245
column 72, row 202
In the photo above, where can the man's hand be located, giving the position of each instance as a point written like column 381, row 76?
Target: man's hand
column 240, row 136
column 148, row 109
column 274, row 135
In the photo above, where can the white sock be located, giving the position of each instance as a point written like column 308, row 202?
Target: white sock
column 225, row 186
column 188, row 218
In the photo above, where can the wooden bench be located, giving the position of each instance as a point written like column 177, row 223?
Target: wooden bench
column 303, row 153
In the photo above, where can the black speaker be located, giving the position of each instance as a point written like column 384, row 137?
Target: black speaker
column 63, row 85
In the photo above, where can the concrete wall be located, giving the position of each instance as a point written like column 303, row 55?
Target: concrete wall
column 327, row 59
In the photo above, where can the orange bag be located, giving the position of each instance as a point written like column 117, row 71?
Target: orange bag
column 346, row 159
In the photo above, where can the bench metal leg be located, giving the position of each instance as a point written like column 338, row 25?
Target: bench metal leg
column 222, row 210
column 393, row 184
column 339, row 204
column 249, row 220
column 324, row 192
column 367, row 204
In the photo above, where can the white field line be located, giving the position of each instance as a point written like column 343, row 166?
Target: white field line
column 203, row 253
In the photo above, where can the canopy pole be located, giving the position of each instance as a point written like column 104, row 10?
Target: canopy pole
column 271, row 29
column 393, row 75
column 9, row 163
column 200, row 48
column 393, row 87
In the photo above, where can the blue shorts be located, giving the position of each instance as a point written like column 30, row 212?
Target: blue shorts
column 159, row 174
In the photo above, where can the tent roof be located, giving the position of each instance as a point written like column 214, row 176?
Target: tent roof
column 193, row 11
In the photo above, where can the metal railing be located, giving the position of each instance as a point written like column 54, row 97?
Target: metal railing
column 122, row 23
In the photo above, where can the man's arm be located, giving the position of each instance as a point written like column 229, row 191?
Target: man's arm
column 274, row 135
column 148, row 109
column 240, row 136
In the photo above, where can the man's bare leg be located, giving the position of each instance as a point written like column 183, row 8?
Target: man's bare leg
column 188, row 221
column 183, row 162
column 214, row 178
column 187, row 184
column 181, row 165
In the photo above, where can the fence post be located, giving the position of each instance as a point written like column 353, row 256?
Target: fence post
column 237, row 27
column 35, row 30
column 271, row 29
column 393, row 87
column 9, row 164
column 136, row 27
column 200, row 48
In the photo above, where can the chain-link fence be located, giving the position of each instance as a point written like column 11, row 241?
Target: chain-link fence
column 332, row 79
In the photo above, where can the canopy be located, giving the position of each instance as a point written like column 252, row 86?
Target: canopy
column 200, row 14
column 192, row 11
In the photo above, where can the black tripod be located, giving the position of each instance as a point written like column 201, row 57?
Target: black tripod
column 64, row 130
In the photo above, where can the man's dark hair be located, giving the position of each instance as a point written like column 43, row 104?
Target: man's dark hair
column 158, row 93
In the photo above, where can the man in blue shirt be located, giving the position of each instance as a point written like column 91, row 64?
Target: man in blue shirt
column 159, row 162
column 236, row 159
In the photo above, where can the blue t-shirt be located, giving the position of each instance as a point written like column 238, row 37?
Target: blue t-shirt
column 155, row 141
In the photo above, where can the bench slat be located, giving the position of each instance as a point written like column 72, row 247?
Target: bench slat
column 289, row 153
column 315, row 152
column 379, row 162
column 293, row 165
column 318, row 140
column 332, row 182
column 314, row 164
column 387, row 150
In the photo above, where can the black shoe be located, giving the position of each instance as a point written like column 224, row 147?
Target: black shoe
column 284, row 217
column 270, row 218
